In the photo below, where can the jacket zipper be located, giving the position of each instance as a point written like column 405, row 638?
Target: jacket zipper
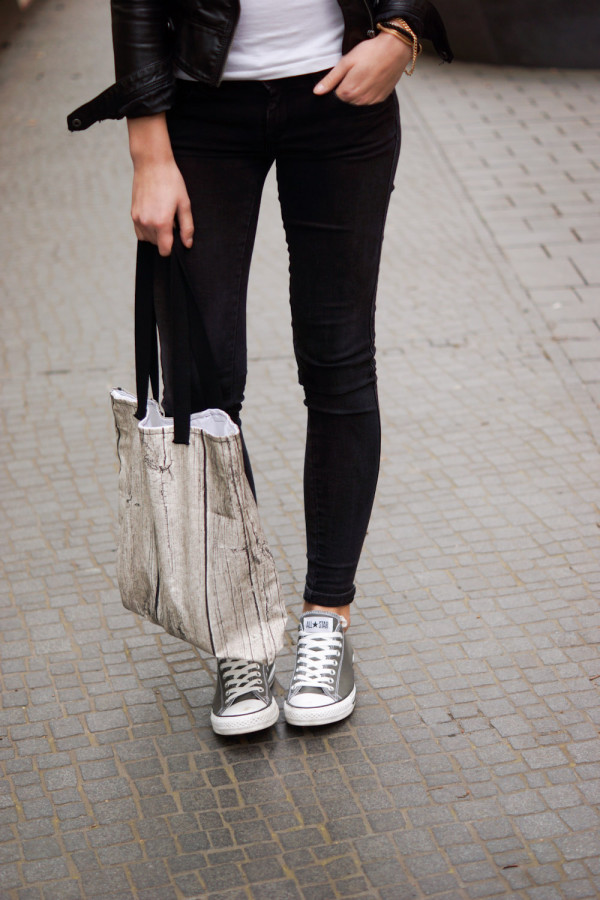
column 372, row 30
column 228, row 41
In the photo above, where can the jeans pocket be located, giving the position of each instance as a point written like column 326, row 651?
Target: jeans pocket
column 362, row 106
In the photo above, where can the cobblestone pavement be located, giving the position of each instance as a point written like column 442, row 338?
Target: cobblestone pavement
column 471, row 766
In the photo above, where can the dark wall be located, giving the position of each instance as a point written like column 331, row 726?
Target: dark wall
column 560, row 33
column 9, row 17
column 13, row 17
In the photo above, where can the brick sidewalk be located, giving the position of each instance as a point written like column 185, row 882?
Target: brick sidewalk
column 523, row 146
column 471, row 766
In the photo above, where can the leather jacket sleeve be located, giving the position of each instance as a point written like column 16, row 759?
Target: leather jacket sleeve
column 140, row 32
column 143, row 67
column 423, row 18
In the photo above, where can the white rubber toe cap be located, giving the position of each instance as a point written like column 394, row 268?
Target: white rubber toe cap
column 309, row 700
column 243, row 707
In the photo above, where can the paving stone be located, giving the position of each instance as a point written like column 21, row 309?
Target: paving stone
column 69, row 889
column 541, row 825
column 579, row 846
column 105, row 721
column 44, row 870
column 286, row 890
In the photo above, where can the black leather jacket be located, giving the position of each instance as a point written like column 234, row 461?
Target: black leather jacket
column 151, row 36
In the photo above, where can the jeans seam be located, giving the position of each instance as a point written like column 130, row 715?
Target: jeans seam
column 315, row 495
column 244, row 246
column 394, row 165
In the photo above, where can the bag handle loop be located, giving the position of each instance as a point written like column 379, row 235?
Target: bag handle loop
column 186, row 319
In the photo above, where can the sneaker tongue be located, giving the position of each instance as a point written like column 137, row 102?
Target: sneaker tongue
column 318, row 623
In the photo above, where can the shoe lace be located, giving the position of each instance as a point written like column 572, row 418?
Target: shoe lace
column 239, row 677
column 316, row 658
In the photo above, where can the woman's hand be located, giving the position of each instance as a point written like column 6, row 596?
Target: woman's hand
column 369, row 72
column 160, row 198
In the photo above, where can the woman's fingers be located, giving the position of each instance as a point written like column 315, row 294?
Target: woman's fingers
column 333, row 78
column 164, row 240
column 154, row 233
column 186, row 222
column 162, row 235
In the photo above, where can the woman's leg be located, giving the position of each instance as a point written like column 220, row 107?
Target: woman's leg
column 217, row 139
column 217, row 142
column 335, row 176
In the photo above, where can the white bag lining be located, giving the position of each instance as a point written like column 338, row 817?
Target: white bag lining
column 214, row 422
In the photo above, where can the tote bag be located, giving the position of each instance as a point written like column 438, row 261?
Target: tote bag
column 192, row 556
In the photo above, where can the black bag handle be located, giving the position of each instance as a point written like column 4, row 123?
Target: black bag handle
column 185, row 318
column 146, row 343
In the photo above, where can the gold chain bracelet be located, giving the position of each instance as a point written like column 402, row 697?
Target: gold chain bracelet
column 401, row 30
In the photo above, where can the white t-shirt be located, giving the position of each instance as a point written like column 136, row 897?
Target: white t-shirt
column 282, row 38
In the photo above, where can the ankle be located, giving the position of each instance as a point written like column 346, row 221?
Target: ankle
column 343, row 611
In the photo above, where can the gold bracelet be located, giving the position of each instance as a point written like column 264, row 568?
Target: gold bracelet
column 405, row 40
column 403, row 25
column 401, row 37
column 397, row 27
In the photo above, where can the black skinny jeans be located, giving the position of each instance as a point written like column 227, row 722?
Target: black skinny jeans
column 335, row 166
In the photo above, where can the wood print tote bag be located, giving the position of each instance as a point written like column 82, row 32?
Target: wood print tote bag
column 192, row 555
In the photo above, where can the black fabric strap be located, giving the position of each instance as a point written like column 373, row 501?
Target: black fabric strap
column 146, row 343
column 186, row 319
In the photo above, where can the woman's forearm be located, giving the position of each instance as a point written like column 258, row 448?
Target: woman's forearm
column 149, row 141
column 160, row 200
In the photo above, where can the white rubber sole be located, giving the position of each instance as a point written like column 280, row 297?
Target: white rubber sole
column 248, row 723
column 319, row 715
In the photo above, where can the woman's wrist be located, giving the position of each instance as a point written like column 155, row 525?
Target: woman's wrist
column 149, row 142
column 384, row 38
column 394, row 48
column 399, row 31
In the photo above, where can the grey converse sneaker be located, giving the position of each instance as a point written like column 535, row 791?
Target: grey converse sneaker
column 243, row 701
column 322, row 689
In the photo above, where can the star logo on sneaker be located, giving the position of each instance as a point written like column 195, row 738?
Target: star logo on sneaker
column 315, row 623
